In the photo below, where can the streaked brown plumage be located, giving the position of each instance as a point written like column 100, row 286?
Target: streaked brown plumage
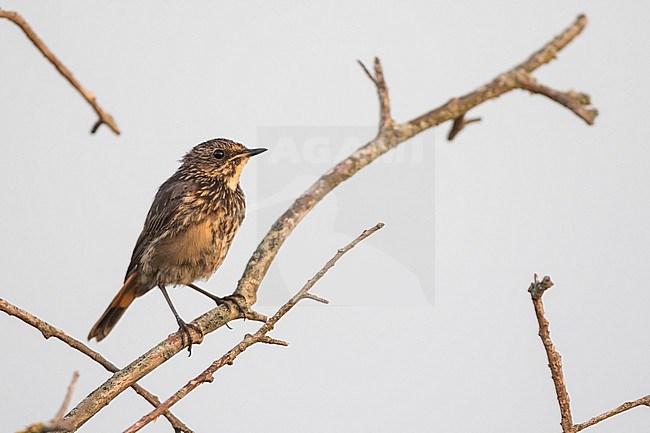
column 188, row 230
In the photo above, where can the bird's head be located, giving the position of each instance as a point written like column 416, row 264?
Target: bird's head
column 219, row 159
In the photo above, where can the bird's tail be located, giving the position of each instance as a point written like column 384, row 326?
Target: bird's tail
column 118, row 306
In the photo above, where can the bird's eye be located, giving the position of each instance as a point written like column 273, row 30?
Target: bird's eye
column 218, row 154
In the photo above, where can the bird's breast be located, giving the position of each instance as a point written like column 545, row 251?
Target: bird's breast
column 198, row 247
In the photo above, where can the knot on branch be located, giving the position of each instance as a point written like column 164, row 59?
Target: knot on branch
column 537, row 288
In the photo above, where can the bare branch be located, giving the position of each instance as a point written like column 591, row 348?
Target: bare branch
column 316, row 298
column 579, row 103
column 268, row 248
column 459, row 123
column 268, row 340
column 385, row 119
column 255, row 316
column 66, row 401
column 49, row 331
column 513, row 79
column 368, row 73
column 54, row 424
column 537, row 289
column 388, row 139
column 259, row 337
column 104, row 117
column 643, row 401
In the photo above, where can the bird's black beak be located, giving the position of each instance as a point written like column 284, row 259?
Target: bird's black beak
column 253, row 152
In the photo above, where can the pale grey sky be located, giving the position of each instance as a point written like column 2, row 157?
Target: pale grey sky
column 430, row 326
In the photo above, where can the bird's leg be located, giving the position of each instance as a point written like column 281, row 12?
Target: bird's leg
column 183, row 328
column 220, row 300
column 215, row 298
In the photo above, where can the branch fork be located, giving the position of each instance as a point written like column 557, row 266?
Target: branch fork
column 250, row 339
column 385, row 119
column 391, row 134
column 537, row 289
column 578, row 103
column 54, row 424
column 50, row 331
column 459, row 123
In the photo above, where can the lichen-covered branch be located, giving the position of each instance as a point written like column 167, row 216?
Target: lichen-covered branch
column 390, row 135
column 387, row 139
column 50, row 331
column 258, row 337
column 104, row 117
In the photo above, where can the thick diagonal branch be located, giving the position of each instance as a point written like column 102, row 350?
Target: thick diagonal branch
column 265, row 253
column 49, row 331
column 259, row 337
column 104, row 117
column 388, row 139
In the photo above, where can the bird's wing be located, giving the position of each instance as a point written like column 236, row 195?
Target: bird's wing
column 163, row 212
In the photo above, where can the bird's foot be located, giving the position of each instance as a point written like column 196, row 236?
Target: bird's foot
column 234, row 299
column 184, row 331
column 220, row 301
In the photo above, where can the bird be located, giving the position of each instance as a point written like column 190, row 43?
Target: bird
column 188, row 230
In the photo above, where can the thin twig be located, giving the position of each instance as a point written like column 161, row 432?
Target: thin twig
column 459, row 124
column 104, row 117
column 537, row 289
column 385, row 119
column 390, row 138
column 515, row 78
column 259, row 337
column 55, row 423
column 266, row 251
column 66, row 401
column 268, row 340
column 316, row 298
column 577, row 102
column 643, row 401
column 49, row 331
